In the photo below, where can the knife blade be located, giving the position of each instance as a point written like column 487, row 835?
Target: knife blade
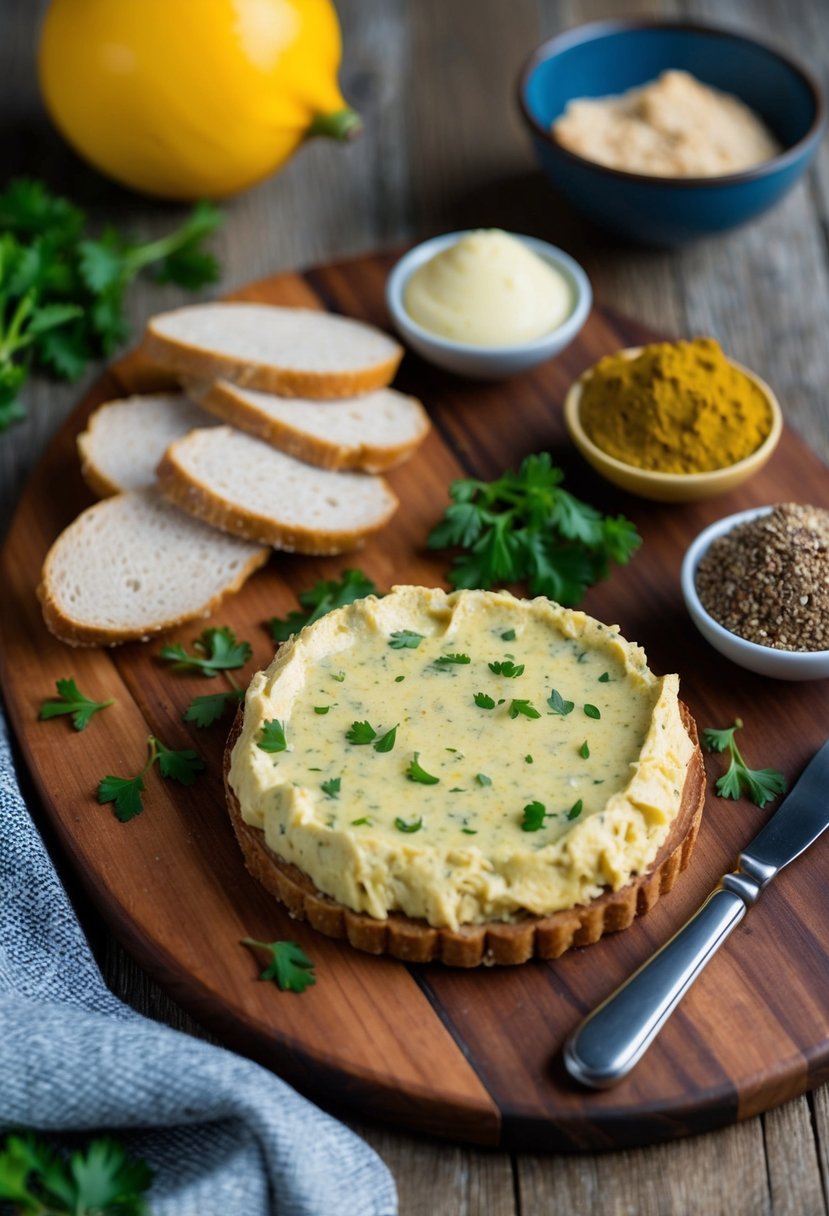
column 612, row 1039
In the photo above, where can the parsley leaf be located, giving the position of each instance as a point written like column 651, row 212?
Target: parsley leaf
column 584, row 750
column 591, row 711
column 415, row 773
column 387, row 741
column 483, row 701
column 508, row 635
column 451, row 660
column 96, row 1180
column 290, row 967
column 482, row 779
column 575, row 810
column 526, row 708
column 558, row 705
column 360, row 733
column 125, row 792
column 272, row 737
column 72, row 701
column 604, row 678
column 507, row 668
column 405, row 639
column 332, row 787
column 534, row 815
column 182, row 766
column 204, row 711
column 218, row 650
column 323, row 597
column 523, row 527
column 403, row 826
column 760, row 785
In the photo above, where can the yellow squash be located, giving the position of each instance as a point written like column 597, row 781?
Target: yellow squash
column 192, row 98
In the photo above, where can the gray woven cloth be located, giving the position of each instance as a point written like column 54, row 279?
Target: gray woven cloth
column 223, row 1135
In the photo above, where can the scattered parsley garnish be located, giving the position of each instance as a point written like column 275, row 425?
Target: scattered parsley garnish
column 387, row 741
column 482, row 779
column 523, row 707
column 356, row 823
column 590, row 711
column 290, row 967
column 98, row 1180
column 470, row 831
column 204, row 711
column 558, row 705
column 415, row 773
column 414, row 826
column 324, row 596
column 524, row 527
column 332, row 787
column 360, row 733
column 507, row 668
column 575, row 810
column 534, row 816
column 604, row 678
column 405, row 639
column 72, row 701
column 483, row 701
column 339, row 676
column 584, row 751
column 508, row 635
column 528, row 759
column 399, row 679
column 272, row 737
column 457, row 789
column 321, row 709
column 182, row 766
column 450, row 660
column 760, row 785
column 62, row 293
column 217, row 650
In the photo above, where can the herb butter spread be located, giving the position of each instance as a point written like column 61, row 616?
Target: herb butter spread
column 461, row 758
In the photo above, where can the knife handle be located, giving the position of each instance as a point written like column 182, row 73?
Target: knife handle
column 607, row 1044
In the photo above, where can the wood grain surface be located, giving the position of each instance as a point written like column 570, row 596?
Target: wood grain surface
column 442, row 149
column 467, row 1055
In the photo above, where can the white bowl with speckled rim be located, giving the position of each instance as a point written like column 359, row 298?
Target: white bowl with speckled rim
column 765, row 660
column 487, row 362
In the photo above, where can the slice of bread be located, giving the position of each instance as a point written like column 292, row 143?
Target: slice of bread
column 295, row 352
column 133, row 565
column 372, row 432
column 248, row 488
column 124, row 440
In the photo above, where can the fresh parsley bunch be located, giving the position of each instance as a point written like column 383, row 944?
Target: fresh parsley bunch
column 98, row 1181
column 62, row 292
column 523, row 527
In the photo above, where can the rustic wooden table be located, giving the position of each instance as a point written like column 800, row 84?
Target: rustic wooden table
column 443, row 149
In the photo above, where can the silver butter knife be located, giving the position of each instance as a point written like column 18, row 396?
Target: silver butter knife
column 609, row 1042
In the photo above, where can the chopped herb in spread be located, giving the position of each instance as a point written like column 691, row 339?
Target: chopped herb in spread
column 524, row 708
column 506, row 667
column 272, row 737
column 508, row 635
column 386, row 742
column 415, row 773
column 575, row 810
column 339, row 676
column 534, row 816
column 360, row 733
column 321, row 709
column 591, row 711
column 584, row 751
column 405, row 639
column 399, row 679
column 332, row 787
column 528, row 759
column 470, row 831
column 357, row 823
column 558, row 705
column 403, row 826
column 450, row 660
column 604, row 678
column 483, row 701
column 482, row 779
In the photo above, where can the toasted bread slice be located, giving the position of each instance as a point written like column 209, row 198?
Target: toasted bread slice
column 124, row 440
column 243, row 486
column 296, row 352
column 133, row 565
column 501, row 942
column 373, row 432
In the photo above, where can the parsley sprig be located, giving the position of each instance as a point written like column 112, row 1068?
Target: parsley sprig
column 760, row 785
column 290, row 967
column 523, row 527
column 125, row 792
column 71, row 700
column 62, row 292
column 323, row 597
column 97, row 1180
column 217, row 651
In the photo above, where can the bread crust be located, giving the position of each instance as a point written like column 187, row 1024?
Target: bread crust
column 222, row 400
column 185, row 359
column 507, row 944
column 200, row 500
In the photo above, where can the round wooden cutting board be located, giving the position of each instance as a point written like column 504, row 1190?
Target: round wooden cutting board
column 474, row 1055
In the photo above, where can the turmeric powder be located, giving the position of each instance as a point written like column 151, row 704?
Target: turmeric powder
column 677, row 407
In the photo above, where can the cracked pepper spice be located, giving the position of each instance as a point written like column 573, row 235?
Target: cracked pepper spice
column 767, row 580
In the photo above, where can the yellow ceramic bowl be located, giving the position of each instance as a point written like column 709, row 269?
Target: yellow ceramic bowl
column 673, row 487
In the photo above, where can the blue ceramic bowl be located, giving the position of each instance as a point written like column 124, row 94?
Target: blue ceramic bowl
column 608, row 57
